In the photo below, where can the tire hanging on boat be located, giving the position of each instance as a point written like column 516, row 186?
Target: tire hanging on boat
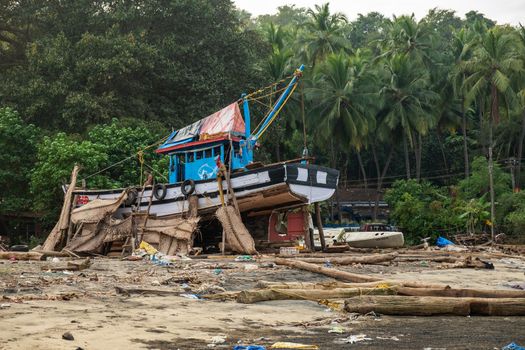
column 132, row 197
column 159, row 191
column 184, row 187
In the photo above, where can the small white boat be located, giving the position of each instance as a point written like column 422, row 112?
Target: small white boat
column 373, row 236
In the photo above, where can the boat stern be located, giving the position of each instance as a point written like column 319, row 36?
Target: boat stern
column 313, row 182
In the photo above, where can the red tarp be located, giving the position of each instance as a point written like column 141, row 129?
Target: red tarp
column 226, row 121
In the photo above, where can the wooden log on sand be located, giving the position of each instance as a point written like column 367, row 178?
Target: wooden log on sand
column 22, row 255
column 257, row 295
column 429, row 306
column 337, row 274
column 460, row 293
column 348, row 276
column 348, row 260
column 337, row 284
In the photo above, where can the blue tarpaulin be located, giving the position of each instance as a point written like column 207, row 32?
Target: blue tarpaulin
column 441, row 242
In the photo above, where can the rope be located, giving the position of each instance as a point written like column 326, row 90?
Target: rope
column 269, row 86
column 276, row 113
column 128, row 158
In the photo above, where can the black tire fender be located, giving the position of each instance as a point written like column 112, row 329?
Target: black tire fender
column 160, row 191
column 184, row 187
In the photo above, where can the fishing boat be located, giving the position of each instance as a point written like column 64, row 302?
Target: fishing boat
column 224, row 143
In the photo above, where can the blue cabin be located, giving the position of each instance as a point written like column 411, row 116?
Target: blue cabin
column 225, row 137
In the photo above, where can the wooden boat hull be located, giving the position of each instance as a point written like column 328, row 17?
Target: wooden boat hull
column 258, row 190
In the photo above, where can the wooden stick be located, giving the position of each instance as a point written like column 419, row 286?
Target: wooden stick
column 428, row 306
column 320, row 226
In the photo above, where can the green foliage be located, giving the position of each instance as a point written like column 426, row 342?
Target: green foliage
column 124, row 141
column 56, row 157
column 476, row 185
column 87, row 62
column 511, row 212
column 18, row 145
column 422, row 210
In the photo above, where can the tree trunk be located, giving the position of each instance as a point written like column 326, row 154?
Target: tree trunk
column 520, row 152
column 465, row 143
column 407, row 156
column 428, row 306
column 380, row 176
column 417, row 154
column 443, row 155
column 493, row 118
column 365, row 179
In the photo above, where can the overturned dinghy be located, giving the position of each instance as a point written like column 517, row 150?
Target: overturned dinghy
column 374, row 235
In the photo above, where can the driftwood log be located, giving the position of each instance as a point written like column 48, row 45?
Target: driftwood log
column 337, row 274
column 350, row 277
column 337, row 284
column 460, row 293
column 348, row 260
column 142, row 291
column 21, row 255
column 428, row 306
column 257, row 295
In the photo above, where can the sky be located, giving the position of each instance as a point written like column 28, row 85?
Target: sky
column 502, row 11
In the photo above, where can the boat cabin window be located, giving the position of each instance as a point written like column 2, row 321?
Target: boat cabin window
column 182, row 158
column 199, row 155
column 217, row 151
column 207, row 153
column 190, row 157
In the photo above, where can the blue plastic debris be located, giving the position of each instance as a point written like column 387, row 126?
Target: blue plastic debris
column 249, row 347
column 513, row 346
column 442, row 242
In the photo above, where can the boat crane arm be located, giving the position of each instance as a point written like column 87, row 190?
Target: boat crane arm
column 276, row 107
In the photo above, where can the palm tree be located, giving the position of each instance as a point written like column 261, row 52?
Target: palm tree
column 323, row 33
column 494, row 61
column 407, row 36
column 340, row 101
column 342, row 104
column 462, row 43
column 408, row 103
column 520, row 87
